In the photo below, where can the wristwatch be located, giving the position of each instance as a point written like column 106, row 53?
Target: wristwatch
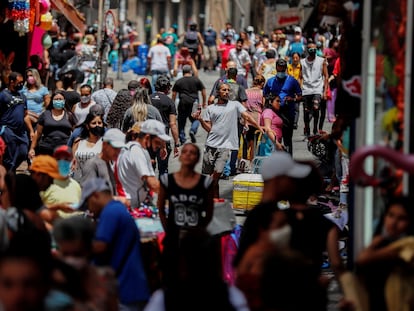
column 177, row 145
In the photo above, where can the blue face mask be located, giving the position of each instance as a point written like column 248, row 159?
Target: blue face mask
column 281, row 75
column 58, row 103
column 64, row 167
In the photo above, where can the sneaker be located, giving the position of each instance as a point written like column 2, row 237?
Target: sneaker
column 192, row 137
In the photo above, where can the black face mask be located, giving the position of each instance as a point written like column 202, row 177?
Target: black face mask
column 18, row 87
column 312, row 51
column 97, row 131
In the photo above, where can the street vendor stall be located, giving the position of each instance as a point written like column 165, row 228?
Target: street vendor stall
column 24, row 24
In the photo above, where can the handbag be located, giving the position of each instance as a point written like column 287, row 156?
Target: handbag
column 265, row 145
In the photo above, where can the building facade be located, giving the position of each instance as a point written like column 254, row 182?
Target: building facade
column 149, row 16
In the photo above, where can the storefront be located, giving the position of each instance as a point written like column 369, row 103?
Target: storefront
column 385, row 113
column 23, row 23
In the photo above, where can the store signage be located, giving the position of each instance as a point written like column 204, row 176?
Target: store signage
column 275, row 17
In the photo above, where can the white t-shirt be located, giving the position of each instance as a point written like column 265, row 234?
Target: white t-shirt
column 134, row 163
column 84, row 153
column 81, row 113
column 240, row 58
column 224, row 121
column 312, row 73
column 159, row 54
column 236, row 297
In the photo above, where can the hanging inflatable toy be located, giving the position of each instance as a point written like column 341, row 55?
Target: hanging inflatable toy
column 19, row 13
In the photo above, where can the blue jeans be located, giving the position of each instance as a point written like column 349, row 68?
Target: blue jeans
column 230, row 167
column 155, row 74
column 184, row 112
column 163, row 164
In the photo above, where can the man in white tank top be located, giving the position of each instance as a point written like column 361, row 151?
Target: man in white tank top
column 314, row 88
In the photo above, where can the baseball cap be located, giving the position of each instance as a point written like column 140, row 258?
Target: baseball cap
column 297, row 29
column 249, row 29
column 115, row 138
column 281, row 163
column 97, row 110
column 281, row 62
column 156, row 128
column 47, row 165
column 63, row 151
column 91, row 185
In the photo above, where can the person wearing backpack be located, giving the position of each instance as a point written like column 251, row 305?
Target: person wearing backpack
column 193, row 40
column 159, row 61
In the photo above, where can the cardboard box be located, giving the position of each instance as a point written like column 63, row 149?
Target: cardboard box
column 247, row 191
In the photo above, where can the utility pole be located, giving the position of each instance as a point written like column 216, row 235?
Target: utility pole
column 122, row 6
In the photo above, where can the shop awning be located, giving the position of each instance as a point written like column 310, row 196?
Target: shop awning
column 71, row 13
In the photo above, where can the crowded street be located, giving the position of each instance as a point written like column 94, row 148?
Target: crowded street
column 206, row 155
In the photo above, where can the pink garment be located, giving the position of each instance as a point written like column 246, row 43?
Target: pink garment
column 225, row 53
column 254, row 99
column 331, row 106
column 331, row 56
column 276, row 122
column 182, row 60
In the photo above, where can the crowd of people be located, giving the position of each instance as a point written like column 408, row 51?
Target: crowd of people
column 78, row 164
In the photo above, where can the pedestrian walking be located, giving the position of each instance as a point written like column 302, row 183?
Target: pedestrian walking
column 314, row 89
column 188, row 89
column 220, row 121
column 289, row 91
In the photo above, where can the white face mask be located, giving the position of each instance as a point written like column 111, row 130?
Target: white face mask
column 76, row 262
column 281, row 237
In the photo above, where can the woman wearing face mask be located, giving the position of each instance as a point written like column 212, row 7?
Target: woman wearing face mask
column 37, row 97
column 272, row 122
column 54, row 127
column 89, row 144
column 81, row 109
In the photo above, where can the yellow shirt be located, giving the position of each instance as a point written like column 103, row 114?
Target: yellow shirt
column 294, row 71
column 62, row 191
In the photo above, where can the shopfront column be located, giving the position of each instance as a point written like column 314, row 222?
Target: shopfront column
column 167, row 16
column 156, row 22
column 182, row 23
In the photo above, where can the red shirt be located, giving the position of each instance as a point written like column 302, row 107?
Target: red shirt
column 226, row 47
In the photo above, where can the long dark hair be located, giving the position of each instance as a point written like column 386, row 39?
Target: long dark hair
column 84, row 126
column 269, row 100
column 406, row 203
column 71, row 117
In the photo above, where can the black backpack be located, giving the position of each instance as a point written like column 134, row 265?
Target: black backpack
column 191, row 40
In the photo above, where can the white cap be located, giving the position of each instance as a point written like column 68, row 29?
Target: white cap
column 297, row 29
column 250, row 29
column 156, row 128
column 115, row 138
column 280, row 163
